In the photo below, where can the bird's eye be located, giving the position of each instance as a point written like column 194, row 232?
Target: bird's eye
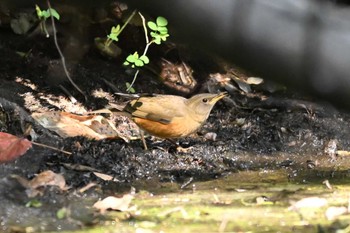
column 205, row 100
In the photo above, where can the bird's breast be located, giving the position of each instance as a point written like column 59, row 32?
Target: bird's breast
column 178, row 127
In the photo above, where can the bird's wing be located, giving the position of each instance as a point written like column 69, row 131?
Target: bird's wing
column 160, row 108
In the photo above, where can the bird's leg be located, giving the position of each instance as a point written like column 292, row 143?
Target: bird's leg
column 173, row 142
column 142, row 135
column 178, row 147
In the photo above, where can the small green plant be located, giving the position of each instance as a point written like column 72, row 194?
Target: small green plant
column 113, row 36
column 159, row 30
column 43, row 15
column 130, row 88
column 159, row 33
column 34, row 203
column 106, row 46
column 135, row 60
column 115, row 31
column 62, row 213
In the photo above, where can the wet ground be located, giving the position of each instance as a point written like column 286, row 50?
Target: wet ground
column 255, row 132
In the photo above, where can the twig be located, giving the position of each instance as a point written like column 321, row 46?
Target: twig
column 71, row 97
column 111, row 85
column 61, row 54
column 52, row 148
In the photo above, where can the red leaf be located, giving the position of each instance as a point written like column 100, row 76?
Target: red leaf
column 11, row 147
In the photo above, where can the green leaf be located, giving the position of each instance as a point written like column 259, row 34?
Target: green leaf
column 126, row 63
column 130, row 59
column 39, row 13
column 34, row 203
column 136, row 55
column 61, row 213
column 113, row 37
column 164, row 37
column 163, row 30
column 139, row 63
column 152, row 26
column 161, row 21
column 115, row 30
column 45, row 14
column 154, row 34
column 54, row 13
column 156, row 38
column 157, row 41
column 130, row 89
column 145, row 59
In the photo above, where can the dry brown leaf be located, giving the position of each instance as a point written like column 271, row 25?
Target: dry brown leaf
column 11, row 147
column 87, row 187
column 71, row 125
column 46, row 178
column 105, row 177
column 114, row 203
column 254, row 80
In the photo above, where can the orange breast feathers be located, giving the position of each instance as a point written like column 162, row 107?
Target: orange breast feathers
column 178, row 127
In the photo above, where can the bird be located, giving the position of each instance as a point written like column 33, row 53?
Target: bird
column 171, row 116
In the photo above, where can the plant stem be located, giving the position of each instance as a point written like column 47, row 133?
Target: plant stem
column 63, row 59
column 148, row 43
column 51, row 147
column 144, row 27
column 43, row 27
column 109, row 41
column 126, row 22
column 133, row 81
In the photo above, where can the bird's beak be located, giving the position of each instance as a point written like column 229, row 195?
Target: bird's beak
column 218, row 97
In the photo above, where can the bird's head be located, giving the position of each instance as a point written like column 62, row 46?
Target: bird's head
column 202, row 104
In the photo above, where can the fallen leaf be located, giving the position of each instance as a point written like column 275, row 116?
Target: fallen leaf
column 87, row 187
column 254, row 80
column 309, row 202
column 211, row 136
column 242, row 85
column 46, row 178
column 114, row 203
column 11, row 147
column 333, row 212
column 71, row 125
column 105, row 176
